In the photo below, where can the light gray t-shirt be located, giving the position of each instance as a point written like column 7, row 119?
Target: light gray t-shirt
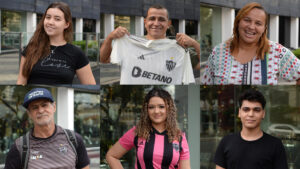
column 49, row 153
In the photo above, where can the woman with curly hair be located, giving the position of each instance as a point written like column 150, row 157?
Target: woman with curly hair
column 158, row 141
column 49, row 57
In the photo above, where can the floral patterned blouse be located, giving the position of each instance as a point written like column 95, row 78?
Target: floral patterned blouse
column 223, row 69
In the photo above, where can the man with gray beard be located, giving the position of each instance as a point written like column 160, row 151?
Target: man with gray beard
column 47, row 145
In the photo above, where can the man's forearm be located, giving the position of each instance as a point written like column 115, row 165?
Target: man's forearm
column 105, row 51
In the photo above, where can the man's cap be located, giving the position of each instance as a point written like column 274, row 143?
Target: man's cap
column 37, row 93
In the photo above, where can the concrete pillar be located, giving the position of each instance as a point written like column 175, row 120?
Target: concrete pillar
column 227, row 23
column 30, row 25
column 274, row 28
column 194, row 124
column 294, row 32
column 98, row 26
column 79, row 29
column 109, row 24
column 181, row 26
column 139, row 25
column 65, row 107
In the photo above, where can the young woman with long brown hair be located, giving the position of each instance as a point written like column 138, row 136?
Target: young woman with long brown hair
column 158, row 141
column 49, row 58
column 249, row 57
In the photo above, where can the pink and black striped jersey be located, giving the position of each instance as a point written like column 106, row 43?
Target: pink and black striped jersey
column 157, row 153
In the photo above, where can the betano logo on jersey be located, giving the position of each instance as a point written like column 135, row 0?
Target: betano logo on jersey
column 138, row 72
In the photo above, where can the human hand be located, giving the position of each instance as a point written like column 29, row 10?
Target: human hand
column 184, row 40
column 118, row 33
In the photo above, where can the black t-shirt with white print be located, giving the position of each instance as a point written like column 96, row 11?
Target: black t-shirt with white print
column 59, row 67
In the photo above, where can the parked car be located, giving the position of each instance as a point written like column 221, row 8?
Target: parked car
column 284, row 130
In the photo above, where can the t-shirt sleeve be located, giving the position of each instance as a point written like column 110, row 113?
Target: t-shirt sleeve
column 289, row 64
column 188, row 75
column 115, row 56
column 127, row 140
column 13, row 159
column 185, row 152
column 83, row 159
column 220, row 156
column 280, row 161
column 207, row 77
column 82, row 59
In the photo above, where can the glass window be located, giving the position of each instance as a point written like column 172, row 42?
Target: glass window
column 173, row 29
column 219, row 107
column 102, row 26
column 13, row 21
column 87, row 123
column 125, row 21
column 284, row 30
column 120, row 108
column 38, row 18
column 191, row 28
column 210, row 29
column 11, row 24
column 89, row 25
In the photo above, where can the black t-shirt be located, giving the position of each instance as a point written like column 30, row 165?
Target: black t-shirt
column 234, row 152
column 13, row 159
column 59, row 67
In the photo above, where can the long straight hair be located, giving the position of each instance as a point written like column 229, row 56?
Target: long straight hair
column 39, row 45
column 263, row 43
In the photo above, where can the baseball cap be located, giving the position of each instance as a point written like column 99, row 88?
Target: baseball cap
column 37, row 93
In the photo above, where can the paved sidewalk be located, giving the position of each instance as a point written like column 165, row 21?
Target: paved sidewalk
column 9, row 68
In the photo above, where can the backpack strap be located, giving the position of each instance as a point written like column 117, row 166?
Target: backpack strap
column 23, row 148
column 72, row 141
column 264, row 70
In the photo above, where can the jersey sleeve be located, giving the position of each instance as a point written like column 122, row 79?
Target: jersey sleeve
column 289, row 64
column 219, row 155
column 280, row 161
column 207, row 77
column 13, row 159
column 185, row 152
column 83, row 159
column 188, row 75
column 115, row 56
column 127, row 140
column 82, row 59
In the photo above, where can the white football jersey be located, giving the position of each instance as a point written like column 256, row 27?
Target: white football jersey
column 145, row 61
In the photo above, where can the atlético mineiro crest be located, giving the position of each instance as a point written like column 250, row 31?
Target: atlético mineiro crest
column 170, row 65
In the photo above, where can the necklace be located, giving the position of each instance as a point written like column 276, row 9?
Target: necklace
column 53, row 50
